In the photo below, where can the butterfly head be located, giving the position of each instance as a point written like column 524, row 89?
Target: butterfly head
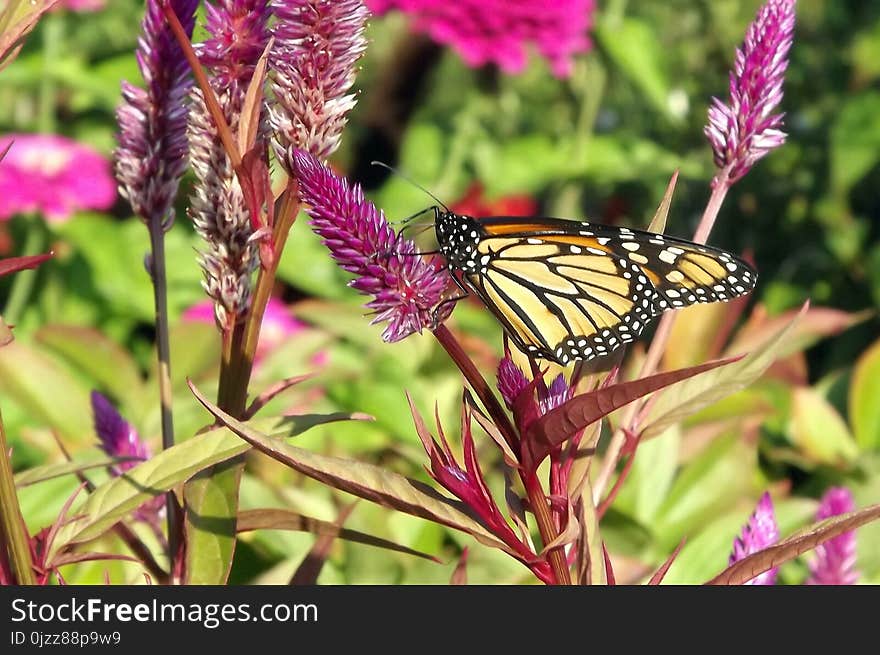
column 457, row 236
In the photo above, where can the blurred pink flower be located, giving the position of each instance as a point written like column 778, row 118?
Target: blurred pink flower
column 484, row 31
column 834, row 561
column 53, row 175
column 82, row 6
column 278, row 324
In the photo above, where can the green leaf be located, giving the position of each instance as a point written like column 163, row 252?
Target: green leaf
column 101, row 358
column 864, row 408
column 689, row 396
column 650, row 477
column 113, row 500
column 819, row 431
column 710, row 484
column 47, row 390
column 366, row 481
column 211, row 507
column 634, row 48
column 50, row 471
column 855, row 140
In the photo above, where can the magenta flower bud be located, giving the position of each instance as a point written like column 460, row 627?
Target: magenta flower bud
column 151, row 156
column 745, row 130
column 317, row 43
column 760, row 532
column 408, row 288
column 834, row 560
column 500, row 31
column 511, row 380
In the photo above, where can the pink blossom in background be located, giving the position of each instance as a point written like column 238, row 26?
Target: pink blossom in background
column 278, row 323
column 53, row 175
column 834, row 561
column 81, row 6
column 499, row 31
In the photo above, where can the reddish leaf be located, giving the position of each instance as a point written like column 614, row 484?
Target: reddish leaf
column 609, row 570
column 283, row 519
column 310, row 568
column 574, row 415
column 14, row 264
column 657, row 578
column 797, row 544
column 459, row 575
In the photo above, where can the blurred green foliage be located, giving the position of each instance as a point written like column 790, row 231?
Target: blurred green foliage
column 602, row 146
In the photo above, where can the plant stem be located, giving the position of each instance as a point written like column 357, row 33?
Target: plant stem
column 13, row 533
column 53, row 32
column 35, row 241
column 537, row 498
column 163, row 351
column 720, row 186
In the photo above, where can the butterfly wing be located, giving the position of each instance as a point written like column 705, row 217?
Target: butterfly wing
column 566, row 290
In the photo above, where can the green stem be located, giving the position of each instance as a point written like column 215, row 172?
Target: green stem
column 163, row 349
column 53, row 33
column 35, row 242
column 13, row 533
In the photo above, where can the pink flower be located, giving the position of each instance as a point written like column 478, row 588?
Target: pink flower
column 81, row 6
column 835, row 559
column 53, row 175
column 278, row 324
column 759, row 533
column 498, row 31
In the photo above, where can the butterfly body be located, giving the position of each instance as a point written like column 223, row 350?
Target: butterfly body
column 569, row 290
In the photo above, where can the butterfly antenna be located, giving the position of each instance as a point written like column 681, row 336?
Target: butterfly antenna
column 410, row 180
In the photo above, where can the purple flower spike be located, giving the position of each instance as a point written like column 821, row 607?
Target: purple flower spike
column 151, row 156
column 317, row 43
column 835, row 559
column 407, row 287
column 744, row 131
column 760, row 532
column 117, row 436
column 239, row 33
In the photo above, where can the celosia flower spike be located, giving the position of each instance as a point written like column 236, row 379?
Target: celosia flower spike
column 151, row 156
column 239, row 33
column 317, row 43
column 834, row 561
column 408, row 288
column 117, row 437
column 760, row 532
column 745, row 130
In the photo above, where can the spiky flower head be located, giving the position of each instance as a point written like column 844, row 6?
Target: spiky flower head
column 407, row 287
column 151, row 156
column 746, row 129
column 760, row 532
column 317, row 43
column 834, row 560
column 239, row 33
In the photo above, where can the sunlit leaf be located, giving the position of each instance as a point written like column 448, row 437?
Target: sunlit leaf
column 689, row 396
column 364, row 480
column 49, row 471
column 864, row 399
column 819, row 431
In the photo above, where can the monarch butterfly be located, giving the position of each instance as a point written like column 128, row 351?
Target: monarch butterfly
column 568, row 290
